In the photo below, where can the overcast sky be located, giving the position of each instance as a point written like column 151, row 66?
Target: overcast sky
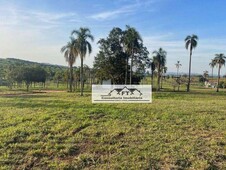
column 35, row 30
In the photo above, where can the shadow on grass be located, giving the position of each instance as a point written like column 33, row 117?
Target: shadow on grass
column 24, row 96
column 192, row 92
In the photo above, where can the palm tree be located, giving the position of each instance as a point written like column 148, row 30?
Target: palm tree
column 83, row 46
column 190, row 44
column 160, row 61
column 131, row 40
column 70, row 55
column 219, row 60
column 178, row 65
column 212, row 64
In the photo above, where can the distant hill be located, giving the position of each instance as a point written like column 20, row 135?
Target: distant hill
column 9, row 63
column 13, row 61
column 182, row 73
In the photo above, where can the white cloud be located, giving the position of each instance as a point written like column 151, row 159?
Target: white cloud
column 133, row 6
column 13, row 16
column 34, row 35
column 114, row 13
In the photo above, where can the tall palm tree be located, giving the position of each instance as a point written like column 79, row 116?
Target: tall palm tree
column 178, row 65
column 160, row 61
column 219, row 60
column 190, row 44
column 131, row 40
column 212, row 64
column 83, row 46
column 70, row 55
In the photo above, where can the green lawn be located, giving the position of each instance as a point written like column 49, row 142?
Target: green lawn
column 62, row 130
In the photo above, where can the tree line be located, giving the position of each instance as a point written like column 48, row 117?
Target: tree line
column 16, row 73
column 26, row 75
column 122, row 58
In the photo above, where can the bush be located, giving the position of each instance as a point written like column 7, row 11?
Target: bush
column 222, row 84
column 202, row 79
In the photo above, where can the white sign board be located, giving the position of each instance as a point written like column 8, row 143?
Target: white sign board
column 121, row 94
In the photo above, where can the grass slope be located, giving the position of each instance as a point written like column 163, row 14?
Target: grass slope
column 66, row 131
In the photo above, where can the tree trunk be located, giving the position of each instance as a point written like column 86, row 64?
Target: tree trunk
column 158, row 77
column 189, row 74
column 73, row 86
column 218, row 80
column 126, row 73
column 212, row 73
column 152, row 78
column 91, row 81
column 27, row 84
column 131, row 69
column 81, row 76
column 76, row 83
column 57, row 83
column 67, row 84
column 71, row 78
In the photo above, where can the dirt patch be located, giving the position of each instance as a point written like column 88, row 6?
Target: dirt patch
column 49, row 91
column 19, row 94
column 35, row 92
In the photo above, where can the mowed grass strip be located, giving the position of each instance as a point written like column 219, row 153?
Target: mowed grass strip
column 65, row 131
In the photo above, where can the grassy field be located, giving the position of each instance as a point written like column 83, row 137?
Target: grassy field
column 59, row 130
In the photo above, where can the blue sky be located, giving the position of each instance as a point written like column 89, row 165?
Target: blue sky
column 36, row 30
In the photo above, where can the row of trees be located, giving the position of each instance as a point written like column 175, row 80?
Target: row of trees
column 27, row 75
column 121, row 53
column 124, row 59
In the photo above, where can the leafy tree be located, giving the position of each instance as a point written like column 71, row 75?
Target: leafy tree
column 160, row 61
column 190, row 44
column 110, row 67
column 111, row 61
column 219, row 60
column 70, row 54
column 83, row 46
column 202, row 79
